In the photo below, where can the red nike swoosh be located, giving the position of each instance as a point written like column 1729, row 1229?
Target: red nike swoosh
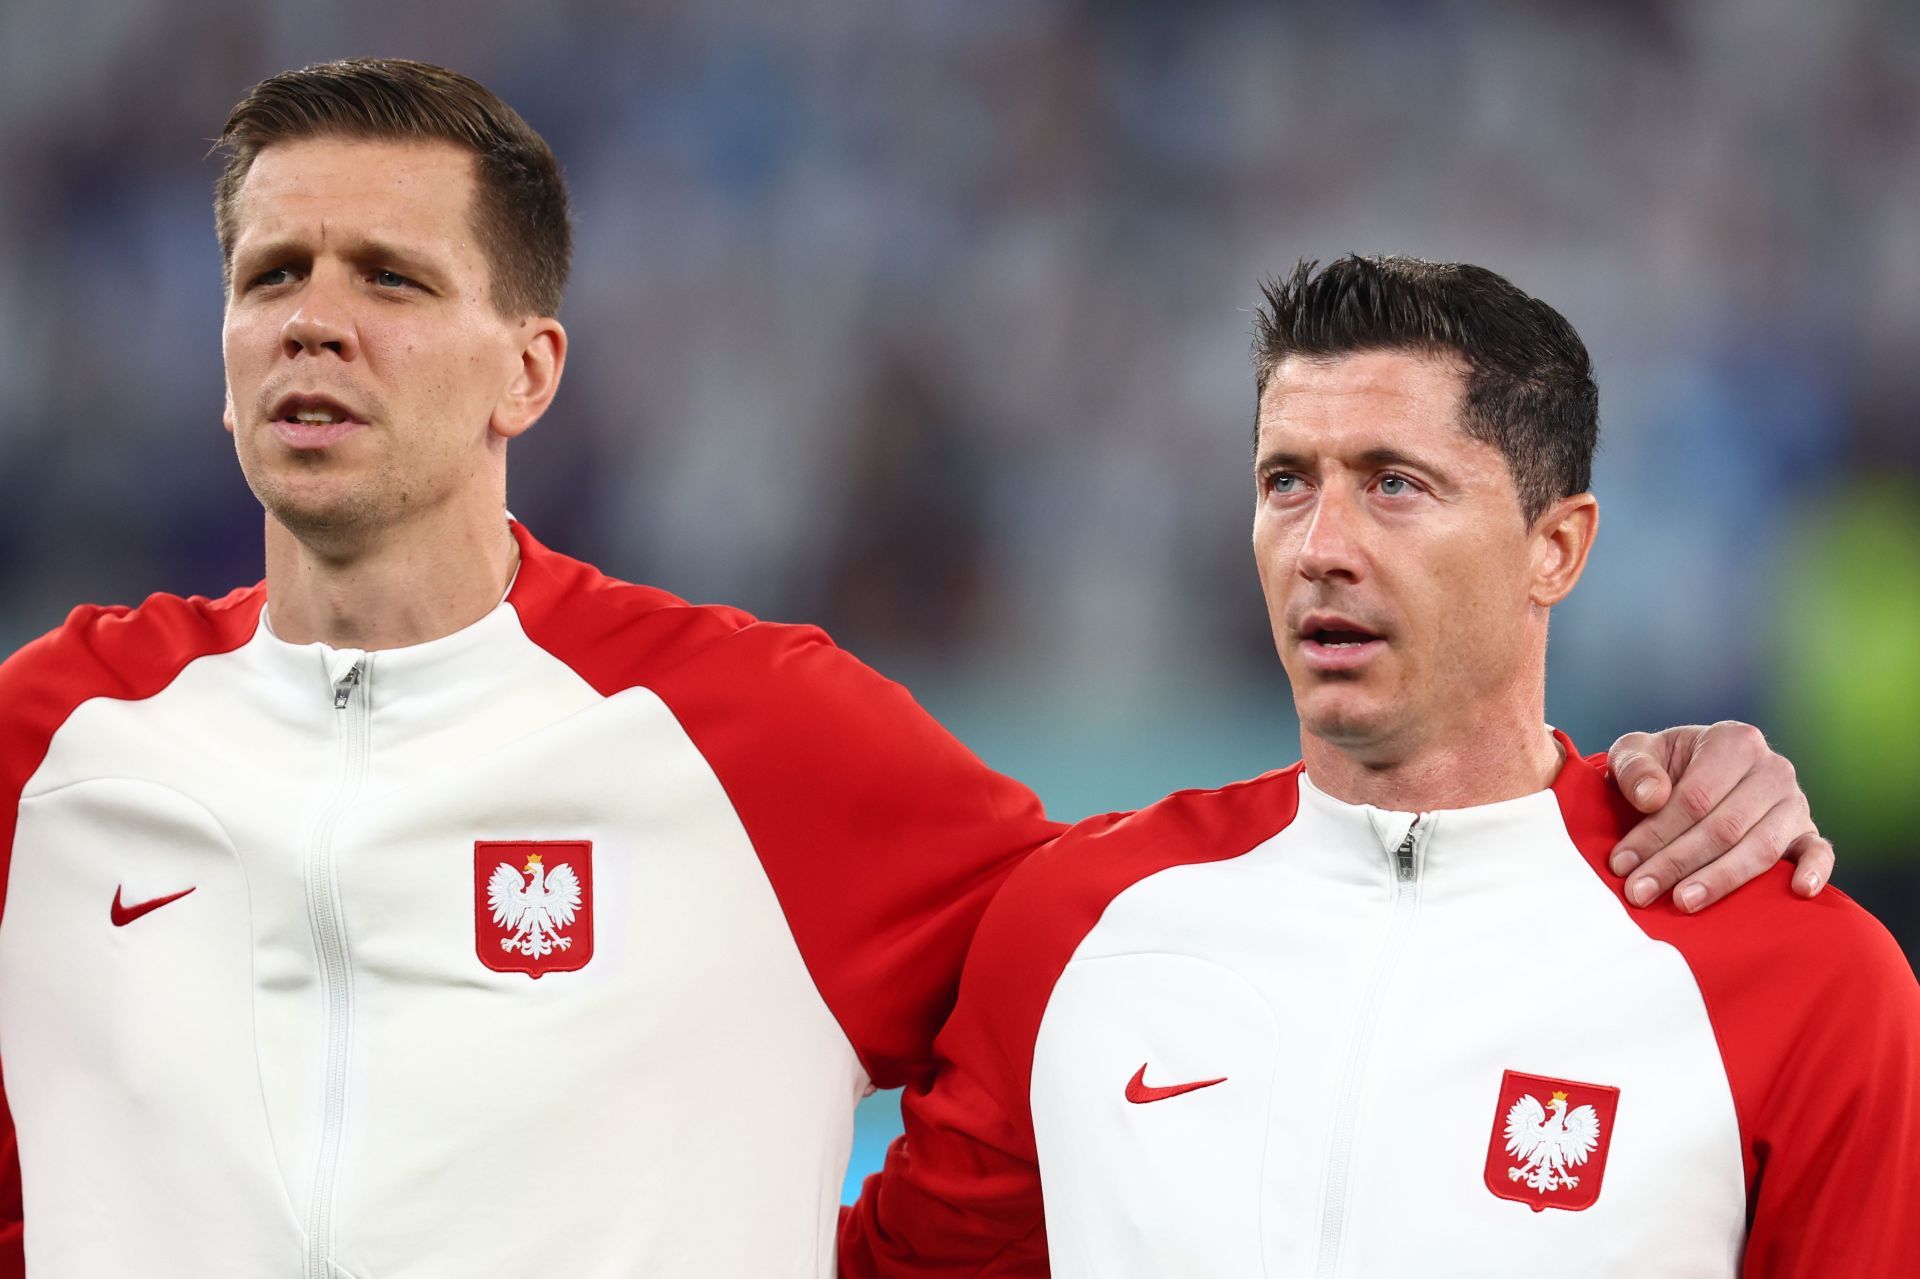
column 1140, row 1092
column 124, row 915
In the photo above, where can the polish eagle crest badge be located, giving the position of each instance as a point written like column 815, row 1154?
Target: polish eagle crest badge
column 1550, row 1140
column 533, row 905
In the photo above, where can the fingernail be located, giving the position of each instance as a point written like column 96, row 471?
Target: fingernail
column 1623, row 861
column 1692, row 896
column 1813, row 882
column 1643, row 789
column 1641, row 891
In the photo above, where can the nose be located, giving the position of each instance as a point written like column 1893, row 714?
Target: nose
column 320, row 323
column 1332, row 546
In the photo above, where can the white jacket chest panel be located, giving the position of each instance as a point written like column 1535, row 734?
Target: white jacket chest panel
column 477, row 1102
column 1356, row 1143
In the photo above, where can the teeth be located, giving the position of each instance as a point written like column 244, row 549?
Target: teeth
column 315, row 417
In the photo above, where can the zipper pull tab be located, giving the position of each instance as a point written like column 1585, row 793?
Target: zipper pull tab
column 1403, row 855
column 343, row 687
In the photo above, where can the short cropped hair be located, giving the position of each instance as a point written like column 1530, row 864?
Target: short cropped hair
column 1529, row 381
column 520, row 207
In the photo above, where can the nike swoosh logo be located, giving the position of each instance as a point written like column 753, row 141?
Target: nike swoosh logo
column 124, row 915
column 1140, row 1092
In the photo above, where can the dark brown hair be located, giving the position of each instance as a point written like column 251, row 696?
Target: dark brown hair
column 520, row 206
column 1529, row 382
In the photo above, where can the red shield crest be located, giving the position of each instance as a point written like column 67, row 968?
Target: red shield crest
column 1550, row 1141
column 533, row 905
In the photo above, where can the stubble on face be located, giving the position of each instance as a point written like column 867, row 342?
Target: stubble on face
column 358, row 278
column 1393, row 520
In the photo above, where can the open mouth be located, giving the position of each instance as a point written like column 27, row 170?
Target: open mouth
column 1337, row 644
column 312, row 421
column 1338, row 637
column 316, row 417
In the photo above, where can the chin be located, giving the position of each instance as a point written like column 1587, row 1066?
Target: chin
column 1344, row 718
column 311, row 510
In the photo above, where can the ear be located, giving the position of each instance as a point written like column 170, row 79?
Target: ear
column 1562, row 537
column 543, row 355
column 226, row 411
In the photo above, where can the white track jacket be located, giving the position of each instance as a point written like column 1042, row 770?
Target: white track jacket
column 1259, row 1032
column 560, row 946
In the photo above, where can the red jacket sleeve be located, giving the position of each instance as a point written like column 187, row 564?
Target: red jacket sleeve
column 882, row 835
column 960, row 1191
column 13, row 1260
column 1834, row 1140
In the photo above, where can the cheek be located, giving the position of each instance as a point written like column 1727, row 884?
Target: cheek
column 1484, row 613
column 250, row 339
column 234, row 340
column 1273, row 560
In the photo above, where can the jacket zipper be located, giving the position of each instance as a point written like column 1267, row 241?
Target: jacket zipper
column 330, row 940
column 1406, row 900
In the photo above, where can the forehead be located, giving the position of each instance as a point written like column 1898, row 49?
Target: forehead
column 1366, row 400
column 416, row 192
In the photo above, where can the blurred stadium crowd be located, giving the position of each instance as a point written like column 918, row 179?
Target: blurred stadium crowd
column 929, row 322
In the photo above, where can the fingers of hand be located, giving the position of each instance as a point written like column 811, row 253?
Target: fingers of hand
column 1682, row 812
column 1747, row 833
column 1815, row 858
column 1724, row 756
column 1638, row 774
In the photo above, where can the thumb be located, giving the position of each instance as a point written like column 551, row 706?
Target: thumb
column 1639, row 772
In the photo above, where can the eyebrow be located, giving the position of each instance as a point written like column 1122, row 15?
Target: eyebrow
column 1372, row 459
column 361, row 250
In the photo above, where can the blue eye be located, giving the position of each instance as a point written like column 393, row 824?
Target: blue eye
column 1395, row 485
column 1282, row 483
column 391, row 280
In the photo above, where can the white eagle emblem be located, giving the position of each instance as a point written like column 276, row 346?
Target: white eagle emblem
column 536, row 910
column 1548, row 1146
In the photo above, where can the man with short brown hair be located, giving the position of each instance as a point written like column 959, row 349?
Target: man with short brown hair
column 1384, row 1013
column 442, row 906
column 519, row 209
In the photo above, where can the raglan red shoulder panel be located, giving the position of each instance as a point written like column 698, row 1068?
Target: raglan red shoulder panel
column 960, row 1191
column 118, row 652
column 882, row 835
column 1817, row 1015
column 127, row 653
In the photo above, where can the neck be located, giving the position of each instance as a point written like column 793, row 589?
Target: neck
column 1498, row 757
column 405, row 587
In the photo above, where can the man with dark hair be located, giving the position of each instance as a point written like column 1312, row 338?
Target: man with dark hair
column 1528, row 384
column 519, row 206
column 1382, row 1013
column 441, row 906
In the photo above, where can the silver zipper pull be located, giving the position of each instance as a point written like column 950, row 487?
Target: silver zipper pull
column 343, row 687
column 1403, row 855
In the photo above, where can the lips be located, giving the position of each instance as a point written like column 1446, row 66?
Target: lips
column 1331, row 642
column 313, row 421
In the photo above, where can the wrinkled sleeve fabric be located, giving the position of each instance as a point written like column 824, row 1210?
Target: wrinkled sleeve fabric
column 960, row 1191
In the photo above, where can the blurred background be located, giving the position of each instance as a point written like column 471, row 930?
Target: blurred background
column 929, row 322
